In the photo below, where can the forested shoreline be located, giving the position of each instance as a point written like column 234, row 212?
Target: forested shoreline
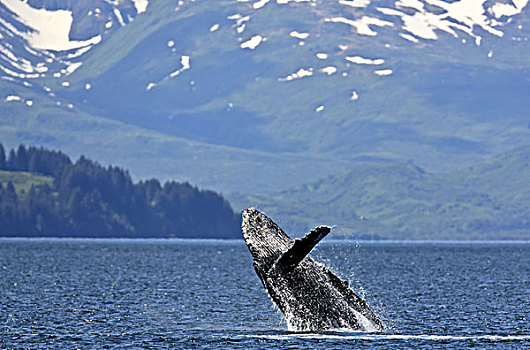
column 86, row 199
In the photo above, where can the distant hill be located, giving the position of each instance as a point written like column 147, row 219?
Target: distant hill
column 44, row 194
column 401, row 201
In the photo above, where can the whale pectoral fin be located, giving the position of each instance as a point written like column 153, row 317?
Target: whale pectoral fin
column 301, row 247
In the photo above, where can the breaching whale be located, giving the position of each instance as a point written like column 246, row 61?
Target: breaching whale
column 310, row 296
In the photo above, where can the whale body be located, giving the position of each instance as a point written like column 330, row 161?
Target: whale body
column 310, row 296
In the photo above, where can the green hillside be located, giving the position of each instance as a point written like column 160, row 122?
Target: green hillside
column 401, row 201
column 24, row 180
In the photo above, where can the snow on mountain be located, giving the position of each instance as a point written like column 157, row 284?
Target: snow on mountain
column 37, row 41
column 49, row 29
column 38, row 37
column 352, row 79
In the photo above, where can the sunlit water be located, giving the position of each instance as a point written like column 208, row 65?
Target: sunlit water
column 70, row 294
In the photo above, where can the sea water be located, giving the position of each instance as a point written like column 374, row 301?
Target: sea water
column 185, row 294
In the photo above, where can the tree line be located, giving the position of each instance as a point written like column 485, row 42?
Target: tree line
column 87, row 199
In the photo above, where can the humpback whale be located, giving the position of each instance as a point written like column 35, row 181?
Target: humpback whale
column 310, row 296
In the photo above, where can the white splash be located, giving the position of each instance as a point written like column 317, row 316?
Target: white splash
column 322, row 56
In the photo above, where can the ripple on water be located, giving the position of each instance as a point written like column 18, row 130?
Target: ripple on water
column 186, row 294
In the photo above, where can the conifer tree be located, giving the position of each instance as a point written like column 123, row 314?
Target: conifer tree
column 2, row 157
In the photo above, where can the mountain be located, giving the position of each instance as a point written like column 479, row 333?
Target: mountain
column 402, row 201
column 261, row 96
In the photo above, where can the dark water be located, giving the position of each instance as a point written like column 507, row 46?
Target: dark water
column 68, row 294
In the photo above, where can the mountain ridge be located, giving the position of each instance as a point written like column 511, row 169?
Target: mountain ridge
column 402, row 201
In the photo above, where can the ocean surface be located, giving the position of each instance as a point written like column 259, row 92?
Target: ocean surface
column 185, row 294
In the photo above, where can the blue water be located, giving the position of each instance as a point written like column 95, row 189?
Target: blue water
column 68, row 294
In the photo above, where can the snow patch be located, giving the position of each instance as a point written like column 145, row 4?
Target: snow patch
column 118, row 15
column 51, row 28
column 284, row 2
column 362, row 25
column 362, row 60
column 241, row 28
column 329, row 70
column 185, row 62
column 410, row 37
column 355, row 3
column 141, row 5
column 383, row 72
column 260, row 4
column 13, row 98
column 450, row 17
column 301, row 73
column 253, row 42
column 298, row 35
column 72, row 67
column 78, row 52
